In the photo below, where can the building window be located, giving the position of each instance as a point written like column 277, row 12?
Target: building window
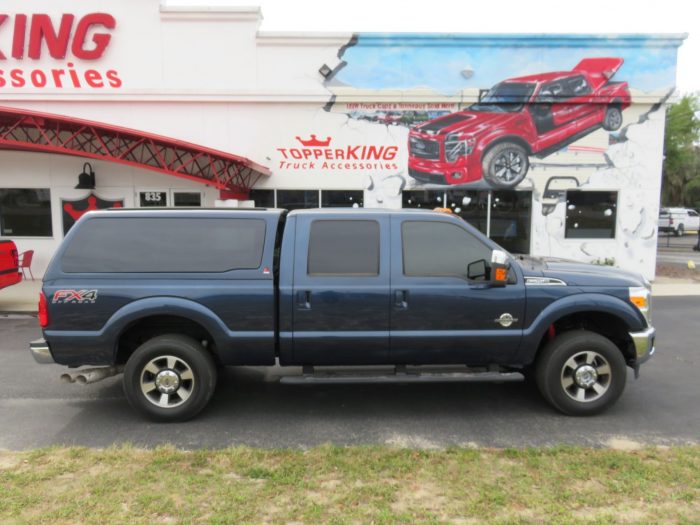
column 25, row 212
column 471, row 205
column 187, row 198
column 428, row 199
column 347, row 247
column 511, row 212
column 504, row 216
column 297, row 199
column 591, row 214
column 263, row 198
column 342, row 198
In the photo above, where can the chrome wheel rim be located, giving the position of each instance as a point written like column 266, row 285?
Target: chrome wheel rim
column 586, row 376
column 508, row 166
column 167, row 381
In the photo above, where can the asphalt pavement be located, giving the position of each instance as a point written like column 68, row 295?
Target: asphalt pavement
column 251, row 407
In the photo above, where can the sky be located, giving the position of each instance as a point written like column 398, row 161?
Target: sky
column 489, row 16
column 375, row 63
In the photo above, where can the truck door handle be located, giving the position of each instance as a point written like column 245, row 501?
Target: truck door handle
column 401, row 298
column 304, row 299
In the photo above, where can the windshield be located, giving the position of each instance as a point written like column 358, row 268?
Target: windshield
column 506, row 97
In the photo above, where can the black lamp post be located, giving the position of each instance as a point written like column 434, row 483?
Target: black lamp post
column 86, row 179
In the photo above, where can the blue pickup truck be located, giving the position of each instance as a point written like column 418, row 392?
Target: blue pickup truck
column 169, row 296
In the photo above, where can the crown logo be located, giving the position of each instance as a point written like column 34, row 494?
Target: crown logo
column 314, row 142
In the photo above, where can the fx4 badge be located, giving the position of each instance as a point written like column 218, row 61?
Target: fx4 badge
column 74, row 296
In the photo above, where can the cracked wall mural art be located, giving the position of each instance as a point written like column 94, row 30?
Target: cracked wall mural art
column 524, row 114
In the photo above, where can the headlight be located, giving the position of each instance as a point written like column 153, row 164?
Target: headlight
column 456, row 147
column 641, row 298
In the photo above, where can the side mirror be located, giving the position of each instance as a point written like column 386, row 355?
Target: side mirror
column 499, row 268
column 476, row 271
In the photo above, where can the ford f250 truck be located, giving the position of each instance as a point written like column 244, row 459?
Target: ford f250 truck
column 168, row 296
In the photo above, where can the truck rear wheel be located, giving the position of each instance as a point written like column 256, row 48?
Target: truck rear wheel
column 612, row 119
column 581, row 373
column 170, row 378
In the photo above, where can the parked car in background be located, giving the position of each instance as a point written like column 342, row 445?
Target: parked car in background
column 678, row 220
column 518, row 118
column 390, row 118
column 9, row 264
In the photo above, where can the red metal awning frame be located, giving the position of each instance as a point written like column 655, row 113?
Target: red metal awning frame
column 42, row 132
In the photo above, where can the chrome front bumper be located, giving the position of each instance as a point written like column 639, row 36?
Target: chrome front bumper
column 644, row 344
column 40, row 352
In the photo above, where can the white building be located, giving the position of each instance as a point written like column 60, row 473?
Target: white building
column 197, row 107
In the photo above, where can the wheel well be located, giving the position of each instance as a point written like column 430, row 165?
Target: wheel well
column 602, row 323
column 508, row 138
column 617, row 103
column 147, row 328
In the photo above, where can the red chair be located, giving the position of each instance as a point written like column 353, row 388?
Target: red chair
column 25, row 261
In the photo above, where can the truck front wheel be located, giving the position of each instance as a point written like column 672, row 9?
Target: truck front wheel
column 505, row 165
column 581, row 373
column 170, row 378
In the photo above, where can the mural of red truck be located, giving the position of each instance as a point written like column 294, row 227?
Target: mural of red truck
column 533, row 115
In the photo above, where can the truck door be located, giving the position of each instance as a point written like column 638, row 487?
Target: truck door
column 341, row 290
column 438, row 314
column 558, row 106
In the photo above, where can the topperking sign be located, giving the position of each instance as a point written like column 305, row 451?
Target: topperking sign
column 68, row 39
column 321, row 154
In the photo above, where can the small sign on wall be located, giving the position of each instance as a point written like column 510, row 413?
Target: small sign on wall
column 72, row 210
column 153, row 199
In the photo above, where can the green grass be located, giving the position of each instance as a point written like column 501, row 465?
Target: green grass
column 329, row 484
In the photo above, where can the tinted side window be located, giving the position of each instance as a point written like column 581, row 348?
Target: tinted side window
column 579, row 86
column 439, row 248
column 127, row 244
column 344, row 247
column 554, row 92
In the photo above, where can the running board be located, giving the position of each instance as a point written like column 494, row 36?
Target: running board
column 399, row 374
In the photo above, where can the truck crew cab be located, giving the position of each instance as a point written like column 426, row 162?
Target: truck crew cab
column 167, row 295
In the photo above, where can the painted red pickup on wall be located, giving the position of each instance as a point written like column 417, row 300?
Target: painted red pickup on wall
column 519, row 117
column 9, row 264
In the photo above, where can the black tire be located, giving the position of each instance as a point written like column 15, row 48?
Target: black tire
column 505, row 165
column 680, row 231
column 172, row 356
column 554, row 372
column 529, row 376
column 613, row 118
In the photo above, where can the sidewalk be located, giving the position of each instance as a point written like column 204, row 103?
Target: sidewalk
column 669, row 286
column 20, row 298
column 24, row 297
